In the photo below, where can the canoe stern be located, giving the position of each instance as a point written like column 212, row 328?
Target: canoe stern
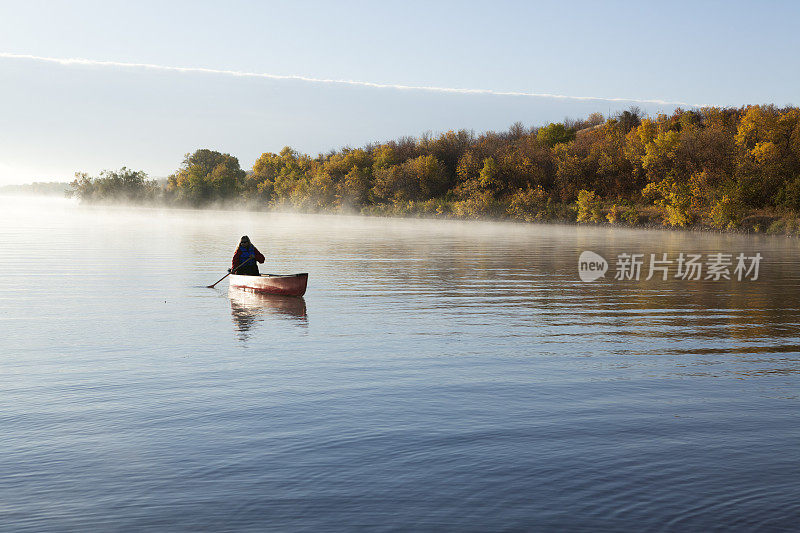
column 291, row 285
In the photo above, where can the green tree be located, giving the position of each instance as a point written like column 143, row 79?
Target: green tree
column 554, row 134
column 206, row 176
column 123, row 185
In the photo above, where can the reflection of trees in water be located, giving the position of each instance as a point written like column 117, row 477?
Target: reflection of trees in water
column 523, row 281
column 249, row 309
column 531, row 286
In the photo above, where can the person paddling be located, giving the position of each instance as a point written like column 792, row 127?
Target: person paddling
column 244, row 260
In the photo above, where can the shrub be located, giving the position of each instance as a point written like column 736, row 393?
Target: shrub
column 779, row 226
column 726, row 213
column 589, row 207
column 674, row 198
column 631, row 215
column 613, row 214
column 528, row 204
column 480, row 204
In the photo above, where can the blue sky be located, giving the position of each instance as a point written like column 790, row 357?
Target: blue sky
column 58, row 118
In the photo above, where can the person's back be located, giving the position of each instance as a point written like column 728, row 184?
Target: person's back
column 245, row 258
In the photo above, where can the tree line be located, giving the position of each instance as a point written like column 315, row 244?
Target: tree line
column 718, row 167
column 37, row 188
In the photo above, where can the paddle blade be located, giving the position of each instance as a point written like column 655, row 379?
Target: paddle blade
column 220, row 279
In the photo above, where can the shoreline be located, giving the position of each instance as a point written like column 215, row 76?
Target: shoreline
column 649, row 224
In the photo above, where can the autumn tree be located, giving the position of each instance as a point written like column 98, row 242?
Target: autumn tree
column 718, row 166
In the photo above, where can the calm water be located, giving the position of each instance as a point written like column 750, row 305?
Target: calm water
column 437, row 376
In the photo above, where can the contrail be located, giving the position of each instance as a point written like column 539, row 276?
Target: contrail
column 354, row 83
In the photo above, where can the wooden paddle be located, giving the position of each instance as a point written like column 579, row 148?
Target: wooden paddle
column 231, row 272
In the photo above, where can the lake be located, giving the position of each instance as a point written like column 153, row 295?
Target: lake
column 437, row 375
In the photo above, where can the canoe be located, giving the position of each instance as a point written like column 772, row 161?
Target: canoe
column 291, row 285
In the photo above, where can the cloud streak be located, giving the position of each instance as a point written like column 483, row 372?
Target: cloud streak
column 77, row 61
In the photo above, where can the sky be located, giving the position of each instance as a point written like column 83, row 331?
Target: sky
column 157, row 80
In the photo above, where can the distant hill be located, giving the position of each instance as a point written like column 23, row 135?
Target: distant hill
column 38, row 188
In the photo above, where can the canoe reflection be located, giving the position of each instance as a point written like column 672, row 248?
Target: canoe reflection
column 248, row 309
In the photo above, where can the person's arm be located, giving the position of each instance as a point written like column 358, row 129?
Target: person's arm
column 259, row 255
column 235, row 261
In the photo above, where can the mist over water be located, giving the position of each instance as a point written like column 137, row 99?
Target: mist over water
column 437, row 376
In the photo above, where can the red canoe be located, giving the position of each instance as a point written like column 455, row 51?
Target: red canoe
column 291, row 285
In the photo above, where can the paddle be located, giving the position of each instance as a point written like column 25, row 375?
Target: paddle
column 231, row 272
